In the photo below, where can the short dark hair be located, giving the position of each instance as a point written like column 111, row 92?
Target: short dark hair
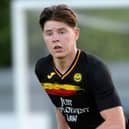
column 60, row 13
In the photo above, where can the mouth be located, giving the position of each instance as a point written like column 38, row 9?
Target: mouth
column 58, row 48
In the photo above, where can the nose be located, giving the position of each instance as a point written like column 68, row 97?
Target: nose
column 55, row 37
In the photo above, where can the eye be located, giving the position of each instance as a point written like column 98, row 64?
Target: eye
column 49, row 33
column 62, row 32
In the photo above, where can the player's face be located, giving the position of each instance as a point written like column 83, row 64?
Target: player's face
column 60, row 39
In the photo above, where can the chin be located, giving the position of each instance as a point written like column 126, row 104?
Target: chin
column 59, row 56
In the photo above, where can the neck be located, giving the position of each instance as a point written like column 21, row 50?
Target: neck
column 62, row 64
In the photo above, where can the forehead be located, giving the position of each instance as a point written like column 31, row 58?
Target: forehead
column 55, row 25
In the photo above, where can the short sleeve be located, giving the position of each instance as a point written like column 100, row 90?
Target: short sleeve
column 103, row 89
column 42, row 68
column 38, row 70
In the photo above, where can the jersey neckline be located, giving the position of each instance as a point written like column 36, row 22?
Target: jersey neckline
column 70, row 69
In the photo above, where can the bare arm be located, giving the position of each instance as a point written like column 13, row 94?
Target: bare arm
column 61, row 122
column 114, row 118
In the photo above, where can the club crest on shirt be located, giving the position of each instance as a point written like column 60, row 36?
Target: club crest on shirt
column 49, row 76
column 77, row 77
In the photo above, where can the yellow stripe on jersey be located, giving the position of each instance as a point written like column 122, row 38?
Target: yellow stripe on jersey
column 55, row 86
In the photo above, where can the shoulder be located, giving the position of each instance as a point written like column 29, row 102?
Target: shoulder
column 43, row 63
column 95, row 65
column 91, row 59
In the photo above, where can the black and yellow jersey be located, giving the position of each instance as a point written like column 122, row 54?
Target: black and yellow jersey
column 84, row 90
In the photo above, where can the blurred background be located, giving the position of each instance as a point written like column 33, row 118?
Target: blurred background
column 104, row 32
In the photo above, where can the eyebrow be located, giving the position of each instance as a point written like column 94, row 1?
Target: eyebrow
column 61, row 29
column 50, row 30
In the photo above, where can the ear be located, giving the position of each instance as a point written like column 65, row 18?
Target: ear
column 77, row 32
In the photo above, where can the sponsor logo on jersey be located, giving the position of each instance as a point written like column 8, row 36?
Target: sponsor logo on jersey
column 71, row 112
column 49, row 76
column 61, row 89
column 77, row 77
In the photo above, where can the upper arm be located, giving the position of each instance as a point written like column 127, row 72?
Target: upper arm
column 114, row 117
column 61, row 122
column 113, row 113
column 106, row 97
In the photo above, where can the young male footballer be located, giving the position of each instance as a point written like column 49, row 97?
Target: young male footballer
column 77, row 82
